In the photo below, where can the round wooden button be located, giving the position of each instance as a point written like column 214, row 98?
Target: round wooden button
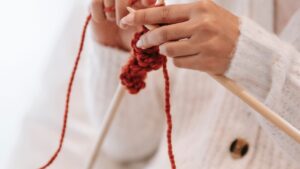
column 239, row 148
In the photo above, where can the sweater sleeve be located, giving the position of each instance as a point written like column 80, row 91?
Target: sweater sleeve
column 269, row 68
column 136, row 130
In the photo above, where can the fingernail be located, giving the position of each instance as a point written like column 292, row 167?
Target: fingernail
column 130, row 9
column 122, row 26
column 127, row 20
column 139, row 43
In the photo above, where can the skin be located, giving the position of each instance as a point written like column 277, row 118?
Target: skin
column 105, row 25
column 202, row 36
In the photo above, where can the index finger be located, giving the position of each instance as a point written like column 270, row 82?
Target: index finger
column 158, row 15
column 121, row 9
column 121, row 5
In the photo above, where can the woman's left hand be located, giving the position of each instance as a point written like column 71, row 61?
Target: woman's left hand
column 200, row 35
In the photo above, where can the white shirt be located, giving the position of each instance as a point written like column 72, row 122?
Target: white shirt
column 207, row 118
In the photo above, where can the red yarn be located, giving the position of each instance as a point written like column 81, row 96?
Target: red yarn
column 142, row 61
column 109, row 9
column 68, row 96
column 135, row 72
column 133, row 77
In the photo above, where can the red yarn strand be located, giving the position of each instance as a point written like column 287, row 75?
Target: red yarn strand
column 168, row 116
column 134, row 74
column 133, row 78
column 68, row 96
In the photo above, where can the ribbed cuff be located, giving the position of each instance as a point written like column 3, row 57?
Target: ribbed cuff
column 252, row 61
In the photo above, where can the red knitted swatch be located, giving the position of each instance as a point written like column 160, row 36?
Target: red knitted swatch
column 135, row 72
column 133, row 77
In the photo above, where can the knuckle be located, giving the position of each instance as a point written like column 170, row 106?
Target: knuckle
column 139, row 17
column 135, row 16
column 207, row 28
column 165, row 13
column 144, row 16
column 208, row 24
column 164, row 35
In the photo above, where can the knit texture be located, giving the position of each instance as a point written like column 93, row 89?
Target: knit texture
column 206, row 120
column 142, row 61
column 270, row 69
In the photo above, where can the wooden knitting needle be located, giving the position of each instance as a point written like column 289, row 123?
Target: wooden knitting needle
column 262, row 109
column 106, row 124
column 229, row 84
column 110, row 115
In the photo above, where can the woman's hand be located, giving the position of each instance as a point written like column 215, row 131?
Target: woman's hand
column 200, row 35
column 115, row 10
column 106, row 15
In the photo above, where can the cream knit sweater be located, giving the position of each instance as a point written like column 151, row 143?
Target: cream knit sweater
column 207, row 118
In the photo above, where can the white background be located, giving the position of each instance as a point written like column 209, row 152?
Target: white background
column 28, row 30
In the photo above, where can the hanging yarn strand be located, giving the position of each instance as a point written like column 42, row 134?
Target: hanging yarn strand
column 168, row 115
column 68, row 96
column 133, row 77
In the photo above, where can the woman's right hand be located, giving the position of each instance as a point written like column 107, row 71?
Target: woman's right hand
column 106, row 15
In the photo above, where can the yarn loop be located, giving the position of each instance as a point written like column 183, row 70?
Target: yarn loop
column 141, row 62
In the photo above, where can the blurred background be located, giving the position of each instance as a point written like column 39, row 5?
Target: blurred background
column 28, row 30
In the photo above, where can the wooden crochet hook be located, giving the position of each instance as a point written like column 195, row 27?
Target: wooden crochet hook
column 106, row 123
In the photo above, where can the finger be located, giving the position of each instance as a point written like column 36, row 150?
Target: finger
column 121, row 10
column 165, row 34
column 147, row 3
column 97, row 12
column 178, row 48
column 109, row 7
column 158, row 15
